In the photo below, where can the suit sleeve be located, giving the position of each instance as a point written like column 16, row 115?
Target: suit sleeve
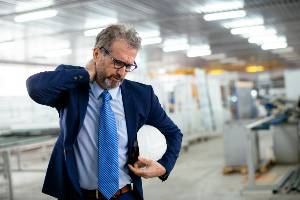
column 51, row 87
column 159, row 119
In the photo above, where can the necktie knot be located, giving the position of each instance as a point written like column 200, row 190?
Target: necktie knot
column 106, row 96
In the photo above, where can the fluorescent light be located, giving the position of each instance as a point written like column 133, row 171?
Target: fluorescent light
column 225, row 15
column 244, row 22
column 279, row 45
column 32, row 5
column 192, row 54
column 101, row 21
column 267, row 39
column 174, row 41
column 176, row 47
column 220, row 6
column 175, row 44
column 263, row 32
column 149, row 34
column 92, row 32
column 152, row 40
column 196, row 51
column 57, row 53
column 246, row 30
column 255, row 68
column 36, row 15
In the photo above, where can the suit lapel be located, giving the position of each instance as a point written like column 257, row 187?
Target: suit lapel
column 129, row 110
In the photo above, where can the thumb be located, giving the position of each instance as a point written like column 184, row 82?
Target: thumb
column 144, row 160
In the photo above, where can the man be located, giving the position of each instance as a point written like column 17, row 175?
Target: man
column 100, row 113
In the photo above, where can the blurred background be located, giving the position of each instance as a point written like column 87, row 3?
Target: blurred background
column 226, row 72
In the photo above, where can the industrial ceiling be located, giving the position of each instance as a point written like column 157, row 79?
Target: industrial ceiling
column 262, row 32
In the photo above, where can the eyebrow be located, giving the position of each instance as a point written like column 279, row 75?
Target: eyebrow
column 109, row 53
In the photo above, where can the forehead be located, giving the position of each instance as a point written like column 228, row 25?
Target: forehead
column 123, row 51
column 120, row 44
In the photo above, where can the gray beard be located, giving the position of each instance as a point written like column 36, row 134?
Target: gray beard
column 106, row 83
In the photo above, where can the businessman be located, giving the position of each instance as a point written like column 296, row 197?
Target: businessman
column 100, row 112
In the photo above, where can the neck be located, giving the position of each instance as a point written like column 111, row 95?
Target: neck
column 101, row 85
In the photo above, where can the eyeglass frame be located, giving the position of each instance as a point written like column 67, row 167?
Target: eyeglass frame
column 121, row 63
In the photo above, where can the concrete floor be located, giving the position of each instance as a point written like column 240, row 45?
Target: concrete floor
column 197, row 175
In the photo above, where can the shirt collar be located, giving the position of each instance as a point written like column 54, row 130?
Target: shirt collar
column 97, row 90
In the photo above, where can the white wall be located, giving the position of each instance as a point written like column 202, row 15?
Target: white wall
column 292, row 83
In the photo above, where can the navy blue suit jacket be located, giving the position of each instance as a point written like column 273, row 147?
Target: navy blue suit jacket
column 67, row 90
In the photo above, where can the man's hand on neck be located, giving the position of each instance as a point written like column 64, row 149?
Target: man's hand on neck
column 91, row 68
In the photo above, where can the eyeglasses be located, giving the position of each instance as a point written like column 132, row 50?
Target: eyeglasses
column 118, row 64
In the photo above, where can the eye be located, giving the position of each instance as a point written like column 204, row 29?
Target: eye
column 119, row 63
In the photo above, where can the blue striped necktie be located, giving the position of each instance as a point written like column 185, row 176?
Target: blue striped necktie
column 108, row 164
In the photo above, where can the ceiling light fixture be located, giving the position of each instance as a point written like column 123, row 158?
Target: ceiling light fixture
column 224, row 15
column 151, row 40
column 149, row 34
column 196, row 51
column 244, row 22
column 175, row 44
column 279, row 45
column 36, row 15
column 247, row 30
column 176, row 47
column 263, row 32
column 101, row 21
column 92, row 32
column 220, row 6
column 192, row 54
column 98, row 23
column 267, row 39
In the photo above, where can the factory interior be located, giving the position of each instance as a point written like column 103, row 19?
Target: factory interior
column 225, row 72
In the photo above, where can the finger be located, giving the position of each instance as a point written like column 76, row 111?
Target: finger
column 131, row 167
column 134, row 169
column 138, row 164
column 144, row 160
column 139, row 172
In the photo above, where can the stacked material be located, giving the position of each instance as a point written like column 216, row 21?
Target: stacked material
column 290, row 183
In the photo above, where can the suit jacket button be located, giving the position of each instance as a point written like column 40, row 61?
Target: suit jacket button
column 75, row 77
column 80, row 77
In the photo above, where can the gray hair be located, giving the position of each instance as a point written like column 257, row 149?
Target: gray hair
column 118, row 31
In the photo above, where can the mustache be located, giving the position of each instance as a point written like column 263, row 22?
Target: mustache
column 117, row 76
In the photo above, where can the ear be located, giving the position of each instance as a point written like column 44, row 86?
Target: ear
column 96, row 54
